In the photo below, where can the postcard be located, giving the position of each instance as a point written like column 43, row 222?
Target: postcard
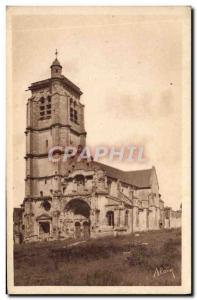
column 99, row 148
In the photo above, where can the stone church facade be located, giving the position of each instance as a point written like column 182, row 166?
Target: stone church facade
column 78, row 199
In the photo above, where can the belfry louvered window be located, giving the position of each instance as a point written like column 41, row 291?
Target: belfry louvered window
column 73, row 111
column 45, row 108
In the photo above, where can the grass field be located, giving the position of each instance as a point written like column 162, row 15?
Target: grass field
column 150, row 258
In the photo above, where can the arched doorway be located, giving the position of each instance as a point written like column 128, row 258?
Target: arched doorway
column 44, row 226
column 86, row 230
column 77, row 216
column 77, row 230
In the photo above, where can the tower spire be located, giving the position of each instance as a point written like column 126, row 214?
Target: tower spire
column 56, row 68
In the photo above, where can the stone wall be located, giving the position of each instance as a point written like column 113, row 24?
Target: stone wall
column 172, row 218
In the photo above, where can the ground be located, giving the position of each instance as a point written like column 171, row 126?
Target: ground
column 146, row 258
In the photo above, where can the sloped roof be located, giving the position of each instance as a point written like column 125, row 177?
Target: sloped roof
column 56, row 63
column 71, row 84
column 63, row 79
column 139, row 178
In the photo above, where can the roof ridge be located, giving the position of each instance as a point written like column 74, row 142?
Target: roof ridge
column 125, row 171
column 138, row 170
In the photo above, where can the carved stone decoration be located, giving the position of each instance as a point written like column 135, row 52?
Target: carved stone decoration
column 99, row 179
column 131, row 193
column 55, row 222
column 57, row 193
column 57, row 88
column 118, row 185
column 28, row 207
column 29, row 225
column 106, row 184
column 56, row 203
column 56, row 214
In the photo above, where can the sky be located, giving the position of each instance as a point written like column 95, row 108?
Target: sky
column 129, row 66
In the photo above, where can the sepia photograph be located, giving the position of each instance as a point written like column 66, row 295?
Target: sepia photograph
column 98, row 131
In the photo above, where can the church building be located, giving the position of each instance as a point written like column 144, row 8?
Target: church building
column 72, row 199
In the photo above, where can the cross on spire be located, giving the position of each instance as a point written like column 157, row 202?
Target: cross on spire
column 56, row 68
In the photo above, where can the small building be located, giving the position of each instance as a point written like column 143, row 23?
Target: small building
column 172, row 217
column 18, row 226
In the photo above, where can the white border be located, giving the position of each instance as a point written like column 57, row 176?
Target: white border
column 2, row 93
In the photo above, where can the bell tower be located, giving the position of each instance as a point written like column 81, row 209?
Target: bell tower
column 55, row 117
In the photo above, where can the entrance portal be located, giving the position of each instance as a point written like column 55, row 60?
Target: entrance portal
column 44, row 228
column 86, row 230
column 77, row 212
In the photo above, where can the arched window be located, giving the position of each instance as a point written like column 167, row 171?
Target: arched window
column 126, row 218
column 41, row 193
column 42, row 108
column 73, row 111
column 46, row 205
column 110, row 218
